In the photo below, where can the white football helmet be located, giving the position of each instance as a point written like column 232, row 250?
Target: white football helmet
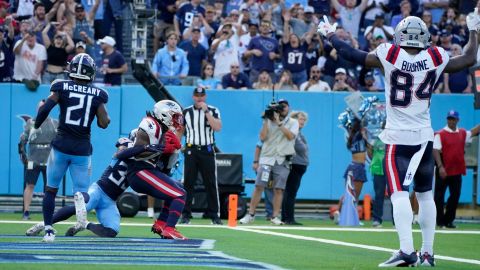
column 412, row 32
column 169, row 113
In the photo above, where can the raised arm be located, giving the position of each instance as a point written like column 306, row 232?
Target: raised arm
column 469, row 55
column 348, row 52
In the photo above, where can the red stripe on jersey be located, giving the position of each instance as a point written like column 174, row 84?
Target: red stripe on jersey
column 390, row 52
column 157, row 130
column 393, row 54
column 435, row 55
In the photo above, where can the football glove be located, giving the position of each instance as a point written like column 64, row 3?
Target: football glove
column 325, row 28
column 172, row 143
column 473, row 20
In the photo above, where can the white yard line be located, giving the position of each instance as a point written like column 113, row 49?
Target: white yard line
column 347, row 244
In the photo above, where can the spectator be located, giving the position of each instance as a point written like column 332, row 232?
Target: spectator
column 436, row 8
column 113, row 15
column 25, row 27
column 448, row 19
column 378, row 28
column 114, row 64
column 244, row 41
column 458, row 82
column 22, row 9
column 264, row 81
column 314, row 84
column 315, row 54
column 40, row 19
column 57, row 54
column 374, row 8
column 285, row 82
column 379, row 181
column 200, row 154
column 299, row 166
column 225, row 49
column 213, row 21
column 170, row 63
column 341, row 81
column 446, row 40
column 29, row 61
column 183, row 17
column 35, row 156
column 432, row 28
column 203, row 27
column 278, row 137
column 80, row 47
column 370, row 85
column 350, row 15
column 449, row 154
column 66, row 13
column 321, row 7
column 236, row 79
column 98, row 16
column 83, row 30
column 405, row 10
column 196, row 52
column 274, row 11
column 294, row 51
column 253, row 9
column 207, row 80
column 6, row 51
column 263, row 51
column 298, row 21
column 164, row 23
column 396, row 9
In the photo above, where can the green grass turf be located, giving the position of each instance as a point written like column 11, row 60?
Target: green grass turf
column 285, row 252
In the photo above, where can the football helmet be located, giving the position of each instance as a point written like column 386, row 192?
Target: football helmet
column 412, row 32
column 82, row 67
column 169, row 113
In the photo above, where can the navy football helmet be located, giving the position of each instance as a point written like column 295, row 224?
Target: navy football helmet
column 82, row 67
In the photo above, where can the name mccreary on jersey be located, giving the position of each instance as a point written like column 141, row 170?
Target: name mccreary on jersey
column 81, row 88
column 417, row 66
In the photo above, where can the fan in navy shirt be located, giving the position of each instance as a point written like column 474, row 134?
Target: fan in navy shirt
column 236, row 79
column 79, row 103
column 264, row 51
column 185, row 14
column 196, row 53
column 6, row 54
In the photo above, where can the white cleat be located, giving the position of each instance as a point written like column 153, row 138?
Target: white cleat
column 247, row 219
column 81, row 211
column 49, row 236
column 276, row 221
column 35, row 230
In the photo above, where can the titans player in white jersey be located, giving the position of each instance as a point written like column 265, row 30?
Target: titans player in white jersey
column 411, row 67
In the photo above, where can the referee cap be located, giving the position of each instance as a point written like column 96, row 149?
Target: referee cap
column 199, row 91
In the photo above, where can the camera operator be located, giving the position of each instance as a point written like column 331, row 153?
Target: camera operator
column 278, row 135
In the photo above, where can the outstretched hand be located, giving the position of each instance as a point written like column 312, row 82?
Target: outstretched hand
column 473, row 20
column 325, row 28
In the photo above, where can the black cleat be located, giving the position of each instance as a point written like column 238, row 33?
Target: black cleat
column 400, row 259
column 427, row 259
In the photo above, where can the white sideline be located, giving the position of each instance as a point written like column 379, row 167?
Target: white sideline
column 340, row 243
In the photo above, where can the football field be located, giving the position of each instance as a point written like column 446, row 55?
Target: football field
column 318, row 244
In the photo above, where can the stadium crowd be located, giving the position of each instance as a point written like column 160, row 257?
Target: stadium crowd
column 231, row 44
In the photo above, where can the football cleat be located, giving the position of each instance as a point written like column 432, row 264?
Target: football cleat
column 336, row 217
column 248, row 218
column 172, row 233
column 81, row 211
column 185, row 220
column 158, row 227
column 276, row 221
column 217, row 221
column 72, row 231
column 400, row 259
column 35, row 229
column 49, row 236
column 427, row 259
column 150, row 212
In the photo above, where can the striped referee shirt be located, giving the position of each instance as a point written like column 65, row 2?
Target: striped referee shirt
column 198, row 130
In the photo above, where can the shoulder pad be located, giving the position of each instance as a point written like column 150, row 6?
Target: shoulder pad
column 152, row 128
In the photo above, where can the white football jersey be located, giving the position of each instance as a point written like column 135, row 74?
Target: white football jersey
column 152, row 128
column 409, row 83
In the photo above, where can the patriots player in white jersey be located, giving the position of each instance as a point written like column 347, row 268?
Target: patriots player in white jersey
column 411, row 67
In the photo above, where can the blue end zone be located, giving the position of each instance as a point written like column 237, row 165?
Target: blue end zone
column 121, row 251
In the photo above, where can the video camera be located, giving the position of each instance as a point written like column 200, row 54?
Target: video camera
column 271, row 108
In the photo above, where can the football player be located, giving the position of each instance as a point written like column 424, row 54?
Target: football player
column 79, row 103
column 160, row 128
column 103, row 194
column 412, row 67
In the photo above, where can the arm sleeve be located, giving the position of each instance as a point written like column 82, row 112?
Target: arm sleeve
column 130, row 152
column 347, row 51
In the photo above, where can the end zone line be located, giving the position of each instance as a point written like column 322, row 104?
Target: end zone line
column 347, row 244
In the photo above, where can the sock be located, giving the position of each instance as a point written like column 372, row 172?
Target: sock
column 163, row 216
column 150, row 212
column 26, row 213
column 100, row 230
column 48, row 206
column 176, row 207
column 63, row 213
column 427, row 216
column 403, row 215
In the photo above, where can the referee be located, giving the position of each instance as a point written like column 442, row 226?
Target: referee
column 201, row 121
